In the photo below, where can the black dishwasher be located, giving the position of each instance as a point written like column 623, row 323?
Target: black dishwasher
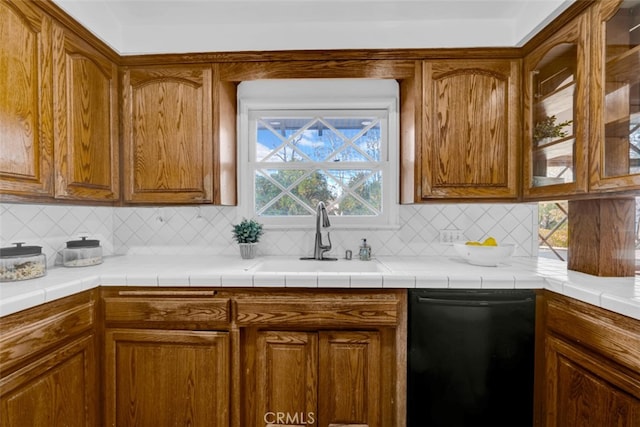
column 470, row 360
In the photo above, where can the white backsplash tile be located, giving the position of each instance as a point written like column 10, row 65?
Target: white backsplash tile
column 207, row 229
column 51, row 226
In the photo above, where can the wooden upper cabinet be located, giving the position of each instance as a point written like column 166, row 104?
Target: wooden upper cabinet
column 86, row 121
column 556, row 75
column 470, row 124
column 168, row 138
column 615, row 96
column 26, row 119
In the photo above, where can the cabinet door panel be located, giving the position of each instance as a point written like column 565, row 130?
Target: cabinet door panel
column 349, row 393
column 556, row 76
column 86, row 127
column 167, row 378
column 471, row 129
column 615, row 97
column 286, row 377
column 25, row 101
column 582, row 390
column 56, row 390
column 167, row 135
column 587, row 400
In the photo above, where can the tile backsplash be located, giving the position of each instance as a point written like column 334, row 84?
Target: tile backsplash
column 51, row 226
column 207, row 229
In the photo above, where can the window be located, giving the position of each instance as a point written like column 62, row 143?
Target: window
column 309, row 148
column 553, row 228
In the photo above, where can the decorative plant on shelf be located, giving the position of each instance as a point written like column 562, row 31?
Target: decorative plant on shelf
column 547, row 128
column 247, row 234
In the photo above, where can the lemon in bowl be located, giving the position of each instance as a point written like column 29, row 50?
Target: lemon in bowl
column 488, row 253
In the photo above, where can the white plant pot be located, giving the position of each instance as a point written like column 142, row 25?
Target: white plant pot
column 248, row 250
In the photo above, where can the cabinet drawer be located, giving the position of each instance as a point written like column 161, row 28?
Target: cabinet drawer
column 610, row 334
column 166, row 310
column 317, row 312
column 39, row 334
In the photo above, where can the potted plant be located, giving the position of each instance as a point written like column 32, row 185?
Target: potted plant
column 247, row 234
column 548, row 129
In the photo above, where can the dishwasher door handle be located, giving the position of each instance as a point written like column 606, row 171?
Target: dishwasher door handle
column 470, row 303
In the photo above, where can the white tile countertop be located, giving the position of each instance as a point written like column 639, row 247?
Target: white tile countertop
column 621, row 295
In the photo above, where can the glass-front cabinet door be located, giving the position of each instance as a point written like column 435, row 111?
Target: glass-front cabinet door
column 615, row 97
column 556, row 73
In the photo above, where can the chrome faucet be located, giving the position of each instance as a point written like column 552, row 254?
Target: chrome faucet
column 322, row 220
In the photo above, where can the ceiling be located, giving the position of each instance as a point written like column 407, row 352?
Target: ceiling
column 182, row 26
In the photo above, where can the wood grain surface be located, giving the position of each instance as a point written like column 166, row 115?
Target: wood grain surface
column 609, row 103
column 574, row 33
column 167, row 378
column 86, row 121
column 591, row 366
column 168, row 139
column 606, row 231
column 470, row 129
column 26, row 124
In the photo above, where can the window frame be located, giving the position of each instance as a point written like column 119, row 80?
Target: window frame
column 329, row 97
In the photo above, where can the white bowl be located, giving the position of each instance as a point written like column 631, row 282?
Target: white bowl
column 489, row 256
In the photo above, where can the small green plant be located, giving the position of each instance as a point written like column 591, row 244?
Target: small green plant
column 547, row 128
column 248, row 231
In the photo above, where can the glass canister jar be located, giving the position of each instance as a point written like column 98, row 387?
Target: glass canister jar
column 82, row 253
column 21, row 262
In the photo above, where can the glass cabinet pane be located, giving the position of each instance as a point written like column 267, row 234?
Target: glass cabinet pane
column 554, row 83
column 622, row 91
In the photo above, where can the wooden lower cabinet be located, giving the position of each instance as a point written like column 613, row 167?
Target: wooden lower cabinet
column 286, row 378
column 585, row 391
column 590, row 370
column 315, row 378
column 167, row 378
column 49, row 367
column 322, row 358
column 148, row 356
column 58, row 389
column 350, row 376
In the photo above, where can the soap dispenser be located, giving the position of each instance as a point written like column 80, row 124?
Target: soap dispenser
column 365, row 251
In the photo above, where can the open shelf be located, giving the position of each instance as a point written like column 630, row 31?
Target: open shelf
column 624, row 67
column 541, row 145
column 559, row 153
column 618, row 128
column 556, row 102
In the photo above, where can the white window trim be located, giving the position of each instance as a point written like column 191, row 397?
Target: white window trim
column 320, row 94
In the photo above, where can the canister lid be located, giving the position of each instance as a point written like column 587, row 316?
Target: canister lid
column 20, row 250
column 83, row 243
